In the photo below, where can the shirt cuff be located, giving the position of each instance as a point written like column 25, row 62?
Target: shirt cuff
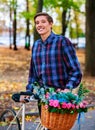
column 29, row 87
column 69, row 86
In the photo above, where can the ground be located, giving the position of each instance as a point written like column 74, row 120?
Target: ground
column 14, row 69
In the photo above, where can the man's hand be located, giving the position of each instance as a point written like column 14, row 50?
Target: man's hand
column 66, row 90
column 23, row 97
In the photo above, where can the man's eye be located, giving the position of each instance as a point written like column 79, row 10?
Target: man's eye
column 43, row 21
column 36, row 22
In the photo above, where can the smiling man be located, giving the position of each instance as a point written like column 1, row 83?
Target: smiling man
column 54, row 61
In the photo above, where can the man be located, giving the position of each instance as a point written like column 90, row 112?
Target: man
column 54, row 61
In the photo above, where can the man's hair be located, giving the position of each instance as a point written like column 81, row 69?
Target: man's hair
column 49, row 18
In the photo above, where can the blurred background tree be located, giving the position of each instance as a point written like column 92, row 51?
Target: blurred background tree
column 39, row 9
column 90, row 38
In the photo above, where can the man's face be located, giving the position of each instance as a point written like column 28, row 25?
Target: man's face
column 43, row 27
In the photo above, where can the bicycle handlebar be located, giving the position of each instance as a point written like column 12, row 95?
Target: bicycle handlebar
column 27, row 93
column 16, row 96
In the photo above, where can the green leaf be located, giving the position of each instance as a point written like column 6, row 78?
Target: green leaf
column 82, row 91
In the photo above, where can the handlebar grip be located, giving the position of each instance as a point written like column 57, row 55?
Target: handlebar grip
column 16, row 97
column 28, row 93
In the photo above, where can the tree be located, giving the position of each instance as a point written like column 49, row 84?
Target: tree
column 14, row 23
column 90, row 38
column 10, row 23
column 66, row 6
column 27, row 37
column 39, row 9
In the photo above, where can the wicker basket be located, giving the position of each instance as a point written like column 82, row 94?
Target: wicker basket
column 55, row 121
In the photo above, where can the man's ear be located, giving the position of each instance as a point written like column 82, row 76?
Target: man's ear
column 51, row 24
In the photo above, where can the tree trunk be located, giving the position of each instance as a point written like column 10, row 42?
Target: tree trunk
column 65, row 20
column 90, row 38
column 64, row 25
column 27, row 37
column 10, row 28
column 39, row 9
column 15, row 25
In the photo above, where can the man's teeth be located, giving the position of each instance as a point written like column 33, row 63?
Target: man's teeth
column 40, row 29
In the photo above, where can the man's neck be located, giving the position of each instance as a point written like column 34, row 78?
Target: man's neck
column 45, row 36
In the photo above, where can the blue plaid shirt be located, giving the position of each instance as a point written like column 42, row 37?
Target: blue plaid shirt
column 54, row 63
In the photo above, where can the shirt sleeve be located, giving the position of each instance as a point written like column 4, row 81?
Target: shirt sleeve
column 72, row 65
column 32, row 77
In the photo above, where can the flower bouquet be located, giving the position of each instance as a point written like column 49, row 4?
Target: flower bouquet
column 59, row 109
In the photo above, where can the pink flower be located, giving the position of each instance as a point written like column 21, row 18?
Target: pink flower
column 62, row 91
column 46, row 106
column 47, row 95
column 81, row 105
column 76, row 94
column 85, row 103
column 73, row 106
column 64, row 105
column 69, row 105
column 59, row 106
column 58, row 90
column 51, row 102
column 77, row 106
column 56, row 103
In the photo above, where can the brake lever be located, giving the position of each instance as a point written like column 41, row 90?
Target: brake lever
column 26, row 100
column 31, row 98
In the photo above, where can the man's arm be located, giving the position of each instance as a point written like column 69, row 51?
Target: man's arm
column 72, row 65
column 32, row 76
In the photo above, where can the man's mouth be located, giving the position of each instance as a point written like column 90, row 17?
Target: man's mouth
column 40, row 29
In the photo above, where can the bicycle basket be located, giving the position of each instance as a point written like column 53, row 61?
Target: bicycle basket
column 56, row 121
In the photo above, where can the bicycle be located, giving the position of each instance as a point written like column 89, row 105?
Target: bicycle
column 11, row 119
